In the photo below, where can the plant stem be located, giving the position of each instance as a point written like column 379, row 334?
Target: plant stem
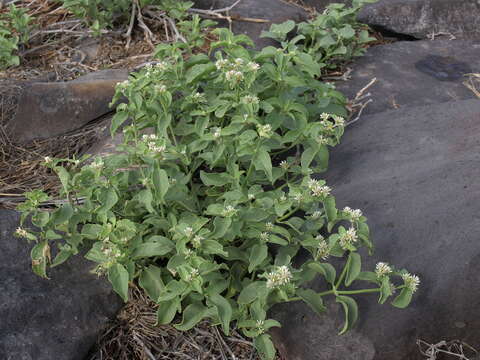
column 287, row 215
column 344, row 292
column 344, row 272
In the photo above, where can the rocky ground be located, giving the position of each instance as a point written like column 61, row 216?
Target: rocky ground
column 410, row 161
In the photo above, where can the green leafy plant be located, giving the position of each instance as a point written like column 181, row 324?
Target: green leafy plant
column 333, row 37
column 213, row 193
column 15, row 27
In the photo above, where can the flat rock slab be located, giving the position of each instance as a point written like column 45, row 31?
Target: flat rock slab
column 41, row 319
column 49, row 109
column 422, row 18
column 414, row 173
column 246, row 13
column 414, row 73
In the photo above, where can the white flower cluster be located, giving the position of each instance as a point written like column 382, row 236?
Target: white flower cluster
column 21, row 232
column 280, row 276
column 234, row 70
column 48, row 160
column 269, row 226
column 151, row 142
column 97, row 164
column 123, row 86
column 317, row 189
column 338, row 121
column 265, row 130
column 322, row 140
column 382, row 269
column 353, row 214
column 265, row 236
column 110, row 250
column 348, row 238
column 411, row 282
column 284, row 165
column 156, row 69
column 197, row 240
column 160, row 89
column 217, row 132
column 316, row 214
column 198, row 97
column 188, row 231
column 250, row 99
column 323, row 250
column 229, row 211
column 192, row 275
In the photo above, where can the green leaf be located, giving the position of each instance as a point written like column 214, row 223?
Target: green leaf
column 145, row 197
column 156, row 246
column 118, row 277
column 215, row 179
column 160, row 182
column 213, row 247
column 327, row 270
column 385, row 290
column 221, row 227
column 198, row 71
column 192, row 315
column 40, row 254
column 166, row 311
column 263, row 162
column 354, row 267
column 117, row 120
column 108, row 198
column 265, row 347
column 151, row 281
column 330, row 208
column 64, row 177
column 62, row 256
column 307, row 157
column 252, row 292
column 350, row 308
column 63, row 214
column 224, row 310
column 258, row 254
column 403, row 299
column 313, row 299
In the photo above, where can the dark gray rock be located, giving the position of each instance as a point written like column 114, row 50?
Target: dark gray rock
column 422, row 18
column 48, row 109
column 414, row 173
column 41, row 319
column 414, row 73
column 274, row 11
column 320, row 5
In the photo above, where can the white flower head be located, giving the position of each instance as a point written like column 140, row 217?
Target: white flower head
column 317, row 189
column 264, row 130
column 253, row 66
column 234, row 75
column 48, row 160
column 21, row 232
column 220, row 64
column 199, row 97
column 197, row 240
column 325, row 116
column 160, row 89
column 239, row 61
column 250, row 99
column 280, row 276
column 348, row 238
column 269, row 226
column 217, row 132
column 322, row 140
column 265, row 236
column 192, row 275
column 339, row 121
column 382, row 269
column 316, row 214
column 188, row 231
column 353, row 214
column 229, row 211
column 283, row 198
column 251, row 196
column 323, row 249
column 411, row 282
column 284, row 165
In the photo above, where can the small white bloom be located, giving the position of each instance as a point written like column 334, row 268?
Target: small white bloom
column 199, row 97
column 21, row 232
column 283, row 198
column 48, row 160
column 161, row 66
column 160, row 88
column 253, row 66
column 284, row 165
column 197, row 240
column 298, row 197
column 264, row 130
column 188, row 253
column 251, row 196
column 217, row 132
column 192, row 275
column 323, row 250
column 325, row 116
column 382, row 269
column 320, row 190
column 250, row 99
column 229, row 211
column 269, row 226
column 280, row 276
column 188, row 231
column 156, row 148
column 317, row 214
column 348, row 238
column 411, row 281
column 220, row 64
column 339, row 121
column 264, row 236
column 322, row 140
column 233, row 75
column 354, row 214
